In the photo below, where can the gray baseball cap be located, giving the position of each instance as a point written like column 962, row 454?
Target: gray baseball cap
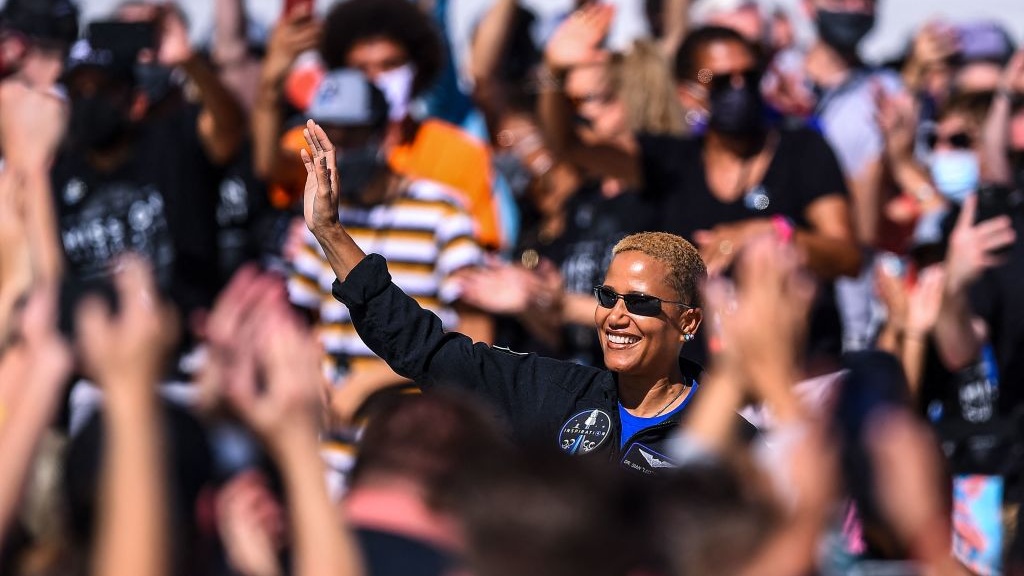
column 346, row 97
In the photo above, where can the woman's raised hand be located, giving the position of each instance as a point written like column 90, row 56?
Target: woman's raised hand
column 322, row 192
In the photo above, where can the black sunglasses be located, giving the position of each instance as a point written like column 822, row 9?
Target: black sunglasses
column 719, row 82
column 958, row 140
column 639, row 304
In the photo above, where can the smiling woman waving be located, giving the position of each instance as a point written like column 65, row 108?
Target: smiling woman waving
column 648, row 308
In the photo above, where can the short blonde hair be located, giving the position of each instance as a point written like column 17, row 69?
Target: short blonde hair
column 687, row 271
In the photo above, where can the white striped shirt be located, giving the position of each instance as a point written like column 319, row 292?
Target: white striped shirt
column 425, row 234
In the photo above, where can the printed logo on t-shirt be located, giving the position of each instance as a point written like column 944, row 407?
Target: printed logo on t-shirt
column 585, row 431
column 114, row 218
column 643, row 459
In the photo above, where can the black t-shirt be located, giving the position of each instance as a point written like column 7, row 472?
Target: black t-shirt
column 249, row 228
column 803, row 169
column 387, row 554
column 168, row 174
column 996, row 298
column 594, row 224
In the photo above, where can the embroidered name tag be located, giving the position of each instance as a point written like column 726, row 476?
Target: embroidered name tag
column 585, row 431
column 643, row 459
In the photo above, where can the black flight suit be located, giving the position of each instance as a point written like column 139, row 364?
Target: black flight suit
column 569, row 405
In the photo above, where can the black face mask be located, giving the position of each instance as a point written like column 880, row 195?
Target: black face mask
column 737, row 111
column 97, row 123
column 358, row 168
column 1017, row 165
column 844, row 30
column 154, row 80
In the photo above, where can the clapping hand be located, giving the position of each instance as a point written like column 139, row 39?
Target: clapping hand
column 1013, row 75
column 761, row 318
column 127, row 349
column 577, row 40
column 288, row 365
column 972, row 246
column 502, row 288
column 229, row 328
column 897, row 116
column 934, row 43
column 251, row 525
column 293, row 35
column 720, row 245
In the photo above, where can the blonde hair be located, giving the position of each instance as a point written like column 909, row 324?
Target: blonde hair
column 686, row 268
column 643, row 81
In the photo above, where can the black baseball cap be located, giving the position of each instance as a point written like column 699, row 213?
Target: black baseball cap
column 53, row 21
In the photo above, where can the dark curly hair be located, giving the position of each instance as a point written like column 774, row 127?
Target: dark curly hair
column 685, row 66
column 354, row 21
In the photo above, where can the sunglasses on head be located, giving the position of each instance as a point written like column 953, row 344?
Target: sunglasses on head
column 639, row 304
column 720, row 82
column 959, row 140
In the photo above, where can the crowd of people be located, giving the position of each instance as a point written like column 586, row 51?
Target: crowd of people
column 461, row 287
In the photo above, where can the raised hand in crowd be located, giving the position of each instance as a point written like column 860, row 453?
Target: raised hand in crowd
column 760, row 321
column 221, row 122
column 229, row 326
column 175, row 48
column 574, row 45
column 251, row 525
column 32, row 125
column 287, row 359
column 996, row 130
column 296, row 33
column 720, row 245
column 912, row 309
column 286, row 415
column 238, row 66
column 321, row 200
column 124, row 352
column 908, row 472
column 973, row 249
column 787, row 92
column 934, row 44
column 898, row 116
column 578, row 40
column 536, row 297
column 16, row 262
column 974, row 246
column 34, row 365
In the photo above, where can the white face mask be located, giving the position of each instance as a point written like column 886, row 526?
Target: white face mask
column 955, row 173
column 396, row 85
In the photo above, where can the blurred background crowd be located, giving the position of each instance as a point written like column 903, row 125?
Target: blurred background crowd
column 182, row 393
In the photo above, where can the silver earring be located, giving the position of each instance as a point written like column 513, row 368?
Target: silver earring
column 688, row 337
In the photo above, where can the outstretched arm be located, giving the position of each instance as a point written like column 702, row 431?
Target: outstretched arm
column 996, row 130
column 125, row 354
column 576, row 43
column 411, row 340
column 321, row 201
column 972, row 250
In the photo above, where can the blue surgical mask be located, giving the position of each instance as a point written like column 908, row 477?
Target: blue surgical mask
column 955, row 173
